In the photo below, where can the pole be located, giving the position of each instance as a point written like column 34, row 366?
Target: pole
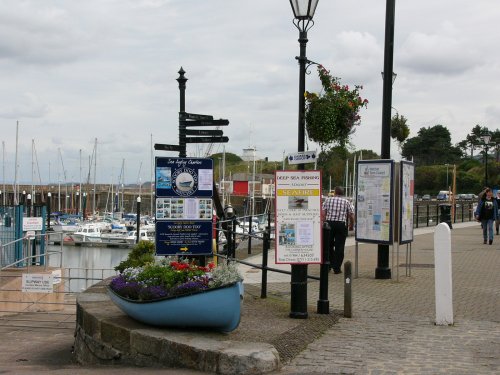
column 383, row 271
column 182, row 108
column 138, row 220
column 48, row 211
column 298, row 298
column 486, row 165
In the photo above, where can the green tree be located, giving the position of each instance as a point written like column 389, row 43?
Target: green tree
column 431, row 146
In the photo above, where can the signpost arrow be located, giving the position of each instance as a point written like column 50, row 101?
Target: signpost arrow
column 194, row 116
column 221, row 122
column 164, row 147
column 204, row 132
column 207, row 140
column 302, row 157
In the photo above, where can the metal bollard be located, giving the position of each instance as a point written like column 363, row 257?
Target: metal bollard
column 265, row 251
column 347, row 290
column 323, row 306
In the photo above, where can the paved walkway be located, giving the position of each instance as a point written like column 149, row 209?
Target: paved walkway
column 392, row 330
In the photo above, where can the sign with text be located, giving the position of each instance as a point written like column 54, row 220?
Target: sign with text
column 184, row 177
column 32, row 223
column 302, row 157
column 176, row 237
column 298, row 217
column 37, row 283
column 374, row 201
column 184, row 206
column 406, row 197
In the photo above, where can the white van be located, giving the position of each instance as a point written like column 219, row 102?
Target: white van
column 444, row 195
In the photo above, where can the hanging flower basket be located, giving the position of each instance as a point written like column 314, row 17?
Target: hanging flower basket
column 332, row 115
column 180, row 294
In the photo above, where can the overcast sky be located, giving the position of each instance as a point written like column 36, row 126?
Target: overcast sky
column 74, row 71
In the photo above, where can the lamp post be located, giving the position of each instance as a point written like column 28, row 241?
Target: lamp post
column 383, row 271
column 303, row 12
column 486, row 139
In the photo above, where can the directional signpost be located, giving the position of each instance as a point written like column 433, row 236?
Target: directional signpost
column 164, row 147
column 207, row 140
column 203, row 132
column 220, row 122
column 302, row 157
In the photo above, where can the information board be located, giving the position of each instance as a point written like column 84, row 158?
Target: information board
column 298, row 217
column 406, row 197
column 32, row 223
column 374, row 201
column 37, row 283
column 184, row 206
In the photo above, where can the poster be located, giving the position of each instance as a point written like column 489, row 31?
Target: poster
column 298, row 217
column 184, row 206
column 407, row 188
column 374, row 201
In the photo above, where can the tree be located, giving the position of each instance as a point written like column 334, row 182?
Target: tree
column 431, row 146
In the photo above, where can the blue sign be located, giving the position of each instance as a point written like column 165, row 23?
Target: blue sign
column 184, row 207
column 184, row 177
column 184, row 237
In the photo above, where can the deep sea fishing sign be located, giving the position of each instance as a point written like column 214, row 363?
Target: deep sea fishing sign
column 184, row 207
column 298, row 217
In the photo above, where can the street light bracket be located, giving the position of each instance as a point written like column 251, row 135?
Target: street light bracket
column 303, row 25
column 308, row 63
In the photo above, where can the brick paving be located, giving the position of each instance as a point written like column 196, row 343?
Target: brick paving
column 392, row 330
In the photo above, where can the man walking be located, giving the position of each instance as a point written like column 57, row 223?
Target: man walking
column 339, row 213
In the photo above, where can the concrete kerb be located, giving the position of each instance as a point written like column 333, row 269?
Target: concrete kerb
column 105, row 335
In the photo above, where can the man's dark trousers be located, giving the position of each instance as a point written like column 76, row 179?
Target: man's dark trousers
column 338, row 235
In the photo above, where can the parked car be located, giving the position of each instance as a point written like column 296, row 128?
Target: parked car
column 426, row 197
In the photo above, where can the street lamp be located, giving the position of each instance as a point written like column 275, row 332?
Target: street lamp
column 486, row 139
column 303, row 12
column 383, row 271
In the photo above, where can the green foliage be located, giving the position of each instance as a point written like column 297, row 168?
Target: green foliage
column 399, row 128
column 332, row 114
column 140, row 255
column 432, row 146
column 230, row 158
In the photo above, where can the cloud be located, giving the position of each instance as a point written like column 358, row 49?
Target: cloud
column 22, row 106
column 436, row 54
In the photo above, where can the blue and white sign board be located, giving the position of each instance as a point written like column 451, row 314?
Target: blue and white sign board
column 374, row 201
column 184, row 207
column 303, row 157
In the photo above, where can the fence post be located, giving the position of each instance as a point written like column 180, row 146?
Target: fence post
column 417, row 215
column 250, row 232
column 323, row 306
column 347, row 290
column 265, row 251
column 427, row 215
column 229, row 240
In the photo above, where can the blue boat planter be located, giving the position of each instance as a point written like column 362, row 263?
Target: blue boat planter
column 217, row 308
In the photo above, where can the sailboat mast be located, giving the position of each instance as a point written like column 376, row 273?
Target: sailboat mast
column 3, row 171
column 80, row 190
column 152, row 177
column 16, row 188
column 95, row 167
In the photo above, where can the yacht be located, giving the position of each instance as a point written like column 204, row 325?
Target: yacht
column 87, row 233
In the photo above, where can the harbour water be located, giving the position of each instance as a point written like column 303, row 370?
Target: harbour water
column 85, row 265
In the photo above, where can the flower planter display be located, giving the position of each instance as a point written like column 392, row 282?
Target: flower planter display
column 217, row 308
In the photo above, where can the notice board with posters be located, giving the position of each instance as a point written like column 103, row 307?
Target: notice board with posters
column 298, row 217
column 184, row 206
column 406, row 199
column 374, row 201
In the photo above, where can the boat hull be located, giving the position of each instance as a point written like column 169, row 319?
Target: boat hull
column 217, row 309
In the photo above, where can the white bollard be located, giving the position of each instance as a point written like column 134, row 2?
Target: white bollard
column 442, row 275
